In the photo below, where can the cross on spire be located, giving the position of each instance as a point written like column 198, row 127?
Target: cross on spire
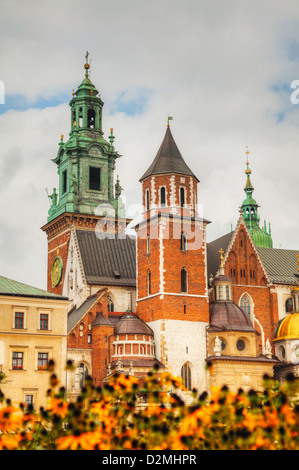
column 221, row 257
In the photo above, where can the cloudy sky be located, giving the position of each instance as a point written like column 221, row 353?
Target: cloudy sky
column 223, row 69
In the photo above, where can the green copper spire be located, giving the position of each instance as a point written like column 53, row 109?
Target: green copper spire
column 86, row 161
column 250, row 214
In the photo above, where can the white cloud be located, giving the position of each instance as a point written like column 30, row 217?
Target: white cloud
column 222, row 69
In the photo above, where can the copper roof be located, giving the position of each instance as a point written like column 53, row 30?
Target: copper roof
column 228, row 316
column 131, row 323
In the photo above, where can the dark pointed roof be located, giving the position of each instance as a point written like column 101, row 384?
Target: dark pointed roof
column 168, row 159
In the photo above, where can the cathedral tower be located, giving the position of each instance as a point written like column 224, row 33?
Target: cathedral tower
column 87, row 197
column 172, row 292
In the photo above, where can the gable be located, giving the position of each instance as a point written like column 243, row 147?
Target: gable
column 240, row 253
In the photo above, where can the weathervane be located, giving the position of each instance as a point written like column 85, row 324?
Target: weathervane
column 170, row 118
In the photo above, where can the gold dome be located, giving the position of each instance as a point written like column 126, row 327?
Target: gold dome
column 289, row 327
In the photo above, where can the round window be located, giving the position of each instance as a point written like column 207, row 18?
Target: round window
column 240, row 345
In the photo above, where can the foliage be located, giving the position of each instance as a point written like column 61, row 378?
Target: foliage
column 112, row 417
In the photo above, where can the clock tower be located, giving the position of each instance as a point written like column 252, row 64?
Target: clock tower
column 86, row 198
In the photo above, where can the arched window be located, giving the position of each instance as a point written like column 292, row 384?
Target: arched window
column 80, row 117
column 110, row 305
column 183, row 242
column 186, row 376
column 182, row 197
column 227, row 292
column 245, row 304
column 149, row 283
column 80, row 376
column 91, row 115
column 220, row 290
column 289, row 305
column 162, row 196
column 184, row 280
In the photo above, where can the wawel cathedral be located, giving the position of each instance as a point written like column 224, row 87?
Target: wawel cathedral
column 164, row 297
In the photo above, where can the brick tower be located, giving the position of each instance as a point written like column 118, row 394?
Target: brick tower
column 172, row 295
column 87, row 198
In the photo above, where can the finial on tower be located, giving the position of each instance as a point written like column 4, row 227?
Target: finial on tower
column 86, row 65
column 221, row 257
column 247, row 171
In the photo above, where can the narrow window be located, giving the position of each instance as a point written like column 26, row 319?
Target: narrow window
column 184, row 280
column 227, row 292
column 147, row 199
column 91, row 119
column 149, row 282
column 110, row 305
column 89, row 338
column 220, row 292
column 185, row 308
column 289, row 306
column 245, row 305
column 148, row 244
column 80, row 376
column 186, row 376
column 74, row 118
column 80, row 117
column 182, row 197
column 163, row 197
column 64, row 181
column 94, row 178
column 183, row 242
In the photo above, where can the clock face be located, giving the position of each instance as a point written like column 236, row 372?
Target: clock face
column 56, row 271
